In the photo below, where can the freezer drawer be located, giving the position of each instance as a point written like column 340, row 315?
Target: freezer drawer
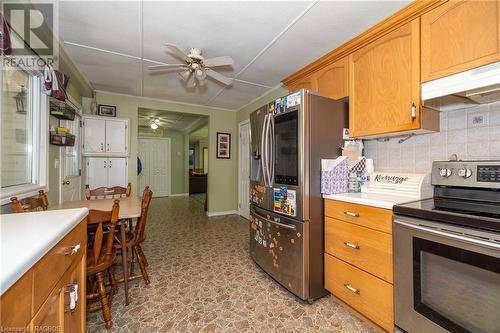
column 280, row 246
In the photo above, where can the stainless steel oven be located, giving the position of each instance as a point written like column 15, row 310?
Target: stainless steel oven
column 447, row 253
column 447, row 278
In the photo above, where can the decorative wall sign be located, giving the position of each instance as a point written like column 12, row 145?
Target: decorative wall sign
column 106, row 110
column 223, row 145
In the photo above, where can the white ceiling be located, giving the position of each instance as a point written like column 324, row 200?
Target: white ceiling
column 112, row 42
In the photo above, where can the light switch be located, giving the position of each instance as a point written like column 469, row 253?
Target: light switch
column 56, row 163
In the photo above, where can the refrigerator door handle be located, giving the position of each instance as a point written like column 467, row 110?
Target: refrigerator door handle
column 272, row 146
column 286, row 226
column 263, row 148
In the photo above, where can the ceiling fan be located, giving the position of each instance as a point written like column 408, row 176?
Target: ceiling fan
column 195, row 68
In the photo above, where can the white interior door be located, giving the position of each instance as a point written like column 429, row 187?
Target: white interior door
column 70, row 165
column 117, row 171
column 155, row 155
column 97, row 172
column 95, row 135
column 116, row 136
column 244, row 169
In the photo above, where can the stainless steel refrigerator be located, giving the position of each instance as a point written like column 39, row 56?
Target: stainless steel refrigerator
column 289, row 138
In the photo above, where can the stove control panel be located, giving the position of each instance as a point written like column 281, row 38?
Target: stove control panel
column 481, row 174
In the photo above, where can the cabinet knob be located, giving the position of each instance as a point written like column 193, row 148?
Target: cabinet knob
column 66, row 182
column 73, row 250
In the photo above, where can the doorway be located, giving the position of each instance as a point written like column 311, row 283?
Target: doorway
column 155, row 157
column 244, row 169
column 70, row 161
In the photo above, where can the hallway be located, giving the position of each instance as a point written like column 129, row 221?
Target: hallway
column 203, row 280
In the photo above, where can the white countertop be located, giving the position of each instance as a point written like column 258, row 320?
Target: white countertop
column 26, row 237
column 371, row 199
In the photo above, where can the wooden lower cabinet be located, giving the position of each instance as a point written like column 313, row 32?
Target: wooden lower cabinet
column 358, row 259
column 40, row 300
column 365, row 293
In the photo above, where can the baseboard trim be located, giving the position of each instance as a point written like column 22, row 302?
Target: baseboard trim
column 228, row 212
column 179, row 195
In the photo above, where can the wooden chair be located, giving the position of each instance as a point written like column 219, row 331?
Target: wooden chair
column 136, row 237
column 115, row 192
column 30, row 204
column 100, row 257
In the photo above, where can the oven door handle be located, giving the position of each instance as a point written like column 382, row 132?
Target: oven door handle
column 449, row 235
column 286, row 226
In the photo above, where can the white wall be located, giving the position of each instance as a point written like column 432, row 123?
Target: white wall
column 458, row 135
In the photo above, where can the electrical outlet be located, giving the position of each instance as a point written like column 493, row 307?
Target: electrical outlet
column 478, row 119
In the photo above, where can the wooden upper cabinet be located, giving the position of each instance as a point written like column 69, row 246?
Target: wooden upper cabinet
column 384, row 83
column 331, row 81
column 305, row 83
column 460, row 35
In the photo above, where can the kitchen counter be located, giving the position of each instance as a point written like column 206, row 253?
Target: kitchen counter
column 26, row 237
column 385, row 201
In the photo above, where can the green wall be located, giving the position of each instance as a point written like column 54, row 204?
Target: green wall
column 222, row 179
column 244, row 112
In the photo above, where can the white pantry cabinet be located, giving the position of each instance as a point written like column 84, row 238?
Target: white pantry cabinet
column 106, row 171
column 105, row 137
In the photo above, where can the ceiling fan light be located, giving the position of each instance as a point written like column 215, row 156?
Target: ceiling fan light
column 153, row 125
column 200, row 74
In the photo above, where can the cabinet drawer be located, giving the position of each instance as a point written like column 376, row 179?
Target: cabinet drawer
column 367, row 294
column 367, row 216
column 362, row 247
column 49, row 270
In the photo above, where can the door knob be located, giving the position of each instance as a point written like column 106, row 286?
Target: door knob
column 66, row 182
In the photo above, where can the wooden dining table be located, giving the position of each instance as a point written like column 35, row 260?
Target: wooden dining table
column 130, row 207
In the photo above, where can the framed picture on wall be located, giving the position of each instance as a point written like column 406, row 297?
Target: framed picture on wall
column 106, row 110
column 223, row 145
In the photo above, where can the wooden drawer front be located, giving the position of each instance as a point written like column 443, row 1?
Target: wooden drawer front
column 49, row 270
column 362, row 247
column 15, row 304
column 369, row 295
column 371, row 217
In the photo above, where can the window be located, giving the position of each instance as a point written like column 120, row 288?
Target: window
column 23, row 135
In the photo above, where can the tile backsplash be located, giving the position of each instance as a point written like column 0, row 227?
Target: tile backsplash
column 472, row 134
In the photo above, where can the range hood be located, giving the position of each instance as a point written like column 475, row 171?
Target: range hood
column 476, row 86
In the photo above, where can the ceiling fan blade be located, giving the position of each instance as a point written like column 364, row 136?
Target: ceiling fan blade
column 177, row 52
column 166, row 66
column 218, row 61
column 219, row 77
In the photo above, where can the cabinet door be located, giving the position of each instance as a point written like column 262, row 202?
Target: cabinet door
column 331, row 81
column 117, row 171
column 460, row 35
column 94, row 134
column 97, row 172
column 50, row 317
column 301, row 83
column 384, row 83
column 116, row 136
